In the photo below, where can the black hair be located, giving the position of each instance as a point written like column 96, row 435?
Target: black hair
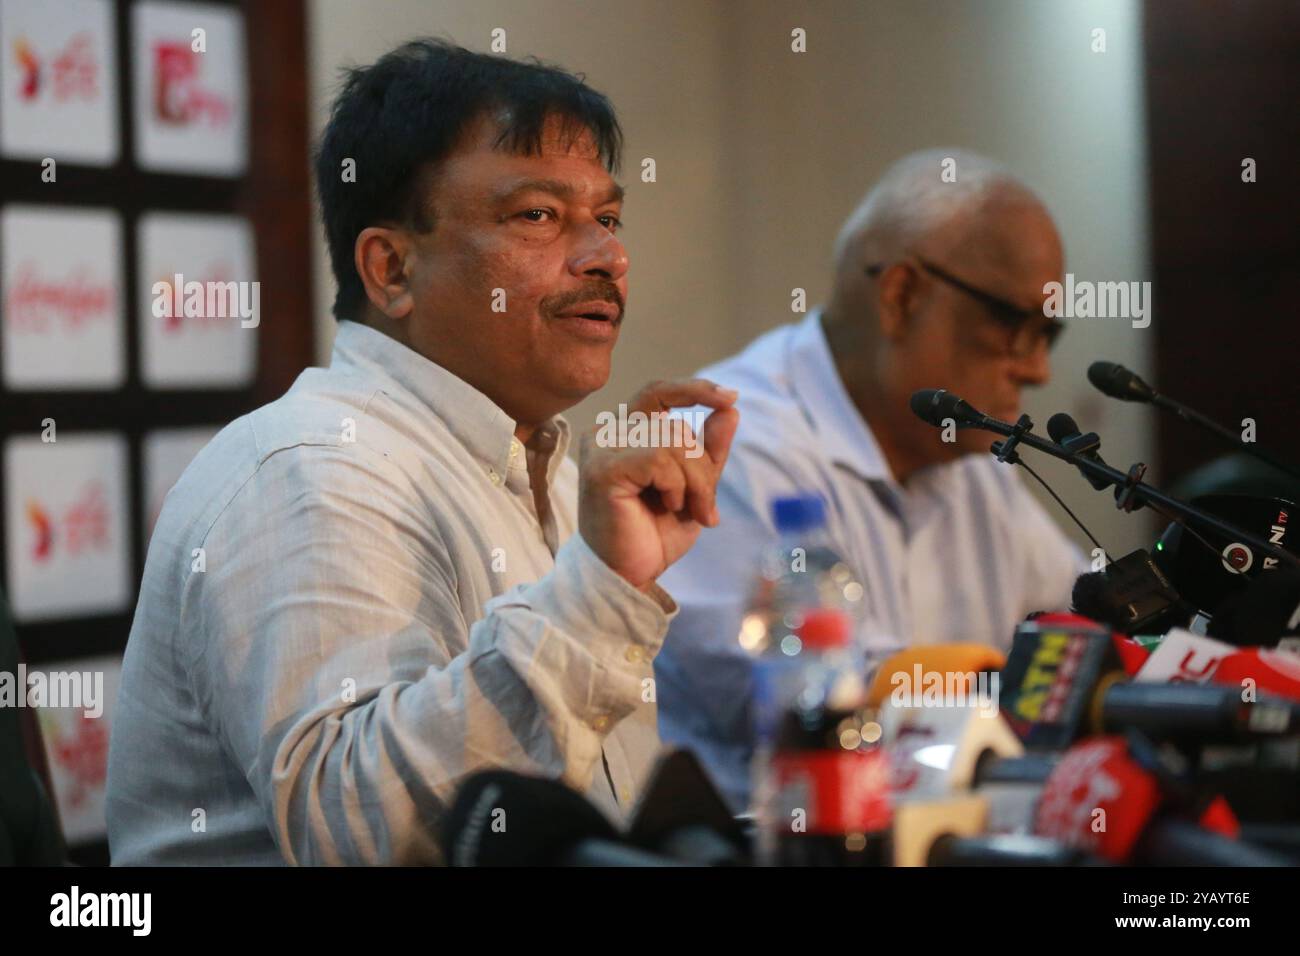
column 406, row 112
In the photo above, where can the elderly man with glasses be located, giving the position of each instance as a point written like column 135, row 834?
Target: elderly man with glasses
column 938, row 284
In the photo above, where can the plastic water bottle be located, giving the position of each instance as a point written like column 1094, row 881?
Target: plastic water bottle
column 823, row 788
column 802, row 573
column 812, row 763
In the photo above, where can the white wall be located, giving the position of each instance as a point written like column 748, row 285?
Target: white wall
column 761, row 153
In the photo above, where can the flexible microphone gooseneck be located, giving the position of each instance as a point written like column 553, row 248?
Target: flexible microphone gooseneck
column 1116, row 381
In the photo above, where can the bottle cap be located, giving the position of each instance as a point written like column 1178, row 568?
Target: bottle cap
column 798, row 513
column 825, row 629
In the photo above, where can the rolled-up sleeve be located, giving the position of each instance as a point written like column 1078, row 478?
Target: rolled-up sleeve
column 334, row 662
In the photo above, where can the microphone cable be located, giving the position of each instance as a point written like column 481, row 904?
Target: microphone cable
column 1064, row 507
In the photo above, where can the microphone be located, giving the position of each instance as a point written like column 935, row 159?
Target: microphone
column 1210, row 566
column 1007, row 849
column 1097, row 780
column 1013, row 786
column 682, row 816
column 913, row 665
column 1065, row 432
column 1131, row 596
column 1197, row 713
column 1120, row 783
column 1263, row 612
column 936, row 405
column 1062, row 682
column 1052, row 674
column 933, row 751
column 1270, row 672
column 1114, row 380
column 500, row 818
column 1180, row 843
column 920, row 826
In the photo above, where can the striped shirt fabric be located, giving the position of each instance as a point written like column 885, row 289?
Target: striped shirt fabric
column 353, row 600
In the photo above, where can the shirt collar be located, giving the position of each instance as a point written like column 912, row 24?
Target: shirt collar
column 474, row 419
column 820, row 392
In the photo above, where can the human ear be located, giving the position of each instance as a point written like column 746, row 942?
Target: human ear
column 381, row 255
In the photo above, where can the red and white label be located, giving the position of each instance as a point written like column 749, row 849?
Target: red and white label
column 58, row 72
column 832, row 791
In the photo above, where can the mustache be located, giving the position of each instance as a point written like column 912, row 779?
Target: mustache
column 552, row 305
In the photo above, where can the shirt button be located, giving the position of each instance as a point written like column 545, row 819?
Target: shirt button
column 625, row 795
column 600, row 723
column 494, row 477
column 635, row 654
column 515, row 448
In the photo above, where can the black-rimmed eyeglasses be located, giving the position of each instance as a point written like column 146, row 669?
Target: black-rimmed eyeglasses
column 1024, row 333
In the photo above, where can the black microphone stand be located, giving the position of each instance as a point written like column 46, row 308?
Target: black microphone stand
column 1131, row 492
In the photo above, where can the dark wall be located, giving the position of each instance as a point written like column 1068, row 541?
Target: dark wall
column 1223, row 84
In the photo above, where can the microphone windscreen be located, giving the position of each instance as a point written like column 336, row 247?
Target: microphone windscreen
column 501, row 818
column 1089, row 599
column 1264, row 611
column 1113, row 379
column 936, row 406
column 924, row 405
column 1107, row 377
column 1132, row 596
column 680, row 795
column 1208, row 576
column 1061, row 426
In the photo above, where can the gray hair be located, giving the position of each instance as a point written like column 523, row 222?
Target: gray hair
column 912, row 200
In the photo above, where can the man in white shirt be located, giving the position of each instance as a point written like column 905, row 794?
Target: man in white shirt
column 392, row 577
column 937, row 285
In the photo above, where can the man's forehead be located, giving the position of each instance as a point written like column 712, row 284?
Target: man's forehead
column 560, row 136
column 569, row 161
column 1022, row 247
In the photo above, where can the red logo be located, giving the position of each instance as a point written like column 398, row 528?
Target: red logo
column 1237, row 558
column 84, row 755
column 1099, row 798
column 33, row 302
column 84, row 525
column 74, row 71
column 179, row 98
column 192, row 300
column 42, row 529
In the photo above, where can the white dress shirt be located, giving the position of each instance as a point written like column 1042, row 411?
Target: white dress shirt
column 352, row 601
column 961, row 553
